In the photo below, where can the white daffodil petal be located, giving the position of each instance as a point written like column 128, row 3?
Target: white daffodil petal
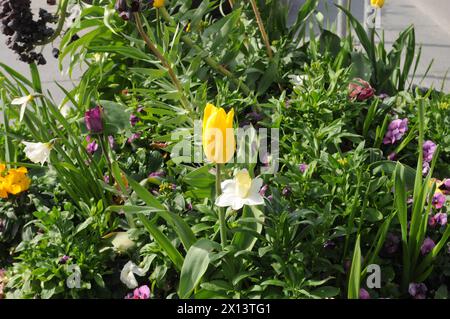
column 256, row 185
column 228, row 186
column 22, row 100
column 37, row 152
column 127, row 274
column 238, row 203
column 254, row 199
column 225, row 200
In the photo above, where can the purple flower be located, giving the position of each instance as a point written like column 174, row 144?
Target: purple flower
column 2, row 225
column 134, row 137
column 417, row 291
column 157, row 174
column 111, row 141
column 438, row 200
column 392, row 156
column 383, row 96
column 396, row 130
column 92, row 147
column 427, row 246
column 428, row 151
column 93, row 119
column 303, row 167
column 189, row 206
column 441, row 218
column 106, row 179
column 391, row 245
column 134, row 119
column 425, row 168
column 263, row 190
column 329, row 244
column 269, row 198
column 140, row 109
column 286, row 191
column 142, row 292
column 363, row 294
column 64, row 259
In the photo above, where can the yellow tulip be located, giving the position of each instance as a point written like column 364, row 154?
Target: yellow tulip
column 377, row 3
column 218, row 136
column 158, row 3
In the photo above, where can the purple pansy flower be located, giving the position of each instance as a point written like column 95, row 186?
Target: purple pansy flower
column 64, row 259
column 134, row 137
column 363, row 294
column 441, row 218
column 396, row 130
column 392, row 156
column 156, row 174
column 417, row 291
column 427, row 246
column 429, row 147
column 392, row 243
column 438, row 200
column 134, row 119
column 142, row 292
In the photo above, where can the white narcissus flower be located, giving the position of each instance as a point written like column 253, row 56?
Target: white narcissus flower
column 298, row 80
column 37, row 152
column 23, row 102
column 128, row 272
column 240, row 191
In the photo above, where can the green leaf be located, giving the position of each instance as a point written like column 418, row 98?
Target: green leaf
column 194, row 267
column 355, row 272
column 325, row 292
column 116, row 117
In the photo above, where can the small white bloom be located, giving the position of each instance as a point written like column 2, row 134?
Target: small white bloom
column 37, row 152
column 65, row 109
column 128, row 272
column 240, row 191
column 23, row 102
column 298, row 80
column 122, row 242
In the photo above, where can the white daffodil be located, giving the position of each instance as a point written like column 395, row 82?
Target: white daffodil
column 23, row 102
column 128, row 272
column 37, row 152
column 122, row 242
column 298, row 80
column 65, row 110
column 240, row 191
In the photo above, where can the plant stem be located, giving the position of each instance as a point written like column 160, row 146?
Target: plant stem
column 222, row 221
column 262, row 29
column 210, row 61
column 161, row 58
column 102, row 139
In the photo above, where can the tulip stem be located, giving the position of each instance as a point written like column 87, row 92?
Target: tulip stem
column 222, row 221
column 210, row 61
column 161, row 58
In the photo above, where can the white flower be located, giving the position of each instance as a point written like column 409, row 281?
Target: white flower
column 122, row 242
column 37, row 152
column 240, row 191
column 128, row 272
column 23, row 102
column 65, row 109
column 298, row 80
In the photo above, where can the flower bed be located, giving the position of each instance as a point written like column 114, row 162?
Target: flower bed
column 210, row 150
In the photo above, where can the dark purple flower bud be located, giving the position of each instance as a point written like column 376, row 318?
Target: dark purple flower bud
column 303, row 167
column 347, row 265
column 270, row 198
column 432, row 221
column 64, row 259
column 92, row 147
column 392, row 156
column 439, row 200
column 429, row 147
column 135, row 5
column 363, row 294
column 286, row 191
column 383, row 96
column 427, row 246
column 134, row 119
column 189, row 206
column 106, row 179
column 93, row 119
column 418, row 291
column 396, row 130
